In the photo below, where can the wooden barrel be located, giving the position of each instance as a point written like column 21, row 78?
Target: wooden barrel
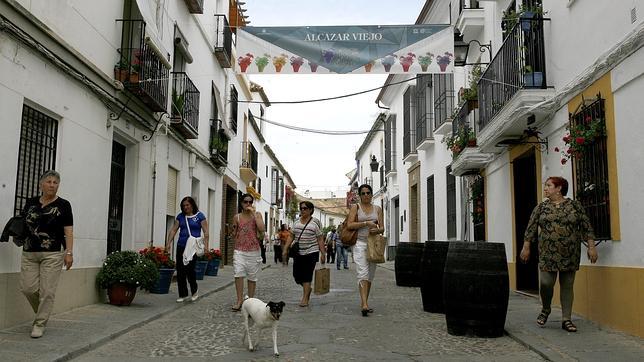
column 476, row 288
column 407, row 264
column 431, row 285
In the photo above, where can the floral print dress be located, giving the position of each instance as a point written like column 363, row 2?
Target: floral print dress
column 563, row 228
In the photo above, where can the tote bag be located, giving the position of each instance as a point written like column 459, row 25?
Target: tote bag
column 376, row 244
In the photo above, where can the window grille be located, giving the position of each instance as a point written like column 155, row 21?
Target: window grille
column 591, row 170
column 423, row 114
column 233, row 108
column 36, row 153
column 431, row 213
column 390, row 143
column 451, row 204
column 409, row 132
column 443, row 98
column 275, row 186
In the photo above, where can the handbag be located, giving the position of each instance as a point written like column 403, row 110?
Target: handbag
column 376, row 244
column 199, row 244
column 349, row 237
column 294, row 249
column 322, row 281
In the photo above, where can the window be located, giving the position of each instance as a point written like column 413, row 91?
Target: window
column 431, row 212
column 591, row 170
column 409, row 132
column 424, row 114
column 233, row 108
column 36, row 153
column 390, row 143
column 451, row 204
column 259, row 185
column 275, row 186
column 443, row 97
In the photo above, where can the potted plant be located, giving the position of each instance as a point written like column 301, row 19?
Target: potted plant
column 244, row 61
column 407, row 60
column 200, row 266
column 456, row 143
column 313, row 66
column 121, row 71
column 279, row 61
column 218, row 145
column 471, row 94
column 296, row 63
column 425, row 61
column 164, row 263
column 580, row 136
column 368, row 66
column 214, row 258
column 123, row 272
column 387, row 61
column 262, row 62
column 444, row 60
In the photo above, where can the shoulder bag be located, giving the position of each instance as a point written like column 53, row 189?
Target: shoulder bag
column 349, row 237
column 294, row 249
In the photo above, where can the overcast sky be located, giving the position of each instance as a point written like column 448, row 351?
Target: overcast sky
column 319, row 162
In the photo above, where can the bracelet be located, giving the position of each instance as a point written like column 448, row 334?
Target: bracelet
column 69, row 253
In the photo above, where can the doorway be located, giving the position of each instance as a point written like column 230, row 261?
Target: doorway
column 395, row 228
column 115, row 208
column 525, row 199
column 229, row 205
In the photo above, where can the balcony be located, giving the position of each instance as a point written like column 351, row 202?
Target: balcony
column 409, row 147
column 425, row 137
column 471, row 19
column 223, row 41
column 471, row 159
column 513, row 83
column 195, row 6
column 185, row 106
column 218, row 143
column 141, row 69
column 248, row 166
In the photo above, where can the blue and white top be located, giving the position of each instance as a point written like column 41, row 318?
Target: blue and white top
column 195, row 227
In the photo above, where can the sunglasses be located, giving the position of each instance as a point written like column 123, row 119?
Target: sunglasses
column 365, row 193
column 247, row 202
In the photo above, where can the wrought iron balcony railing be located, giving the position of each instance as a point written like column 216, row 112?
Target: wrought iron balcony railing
column 140, row 69
column 424, row 129
column 218, row 143
column 409, row 143
column 223, row 41
column 249, row 156
column 519, row 64
column 185, row 105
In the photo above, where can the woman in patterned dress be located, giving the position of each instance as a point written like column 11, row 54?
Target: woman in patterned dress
column 564, row 225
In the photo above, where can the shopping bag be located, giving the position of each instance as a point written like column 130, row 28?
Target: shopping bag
column 376, row 244
column 322, row 282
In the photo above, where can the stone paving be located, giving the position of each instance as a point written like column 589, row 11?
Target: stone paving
column 330, row 328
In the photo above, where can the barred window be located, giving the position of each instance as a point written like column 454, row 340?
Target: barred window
column 36, row 154
column 590, row 168
column 431, row 212
column 233, row 108
column 451, row 203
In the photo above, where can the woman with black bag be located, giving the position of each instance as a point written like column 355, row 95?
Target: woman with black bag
column 305, row 245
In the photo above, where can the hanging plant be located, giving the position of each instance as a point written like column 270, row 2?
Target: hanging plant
column 580, row 136
column 477, row 199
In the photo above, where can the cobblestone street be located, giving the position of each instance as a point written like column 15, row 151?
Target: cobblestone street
column 330, row 328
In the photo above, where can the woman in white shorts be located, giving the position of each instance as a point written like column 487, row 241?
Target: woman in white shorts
column 247, row 257
column 369, row 217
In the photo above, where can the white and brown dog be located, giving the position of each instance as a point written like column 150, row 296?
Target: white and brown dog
column 263, row 315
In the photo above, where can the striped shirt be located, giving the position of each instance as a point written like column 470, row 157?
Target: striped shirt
column 309, row 239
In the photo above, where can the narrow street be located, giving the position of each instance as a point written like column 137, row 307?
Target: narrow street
column 330, row 329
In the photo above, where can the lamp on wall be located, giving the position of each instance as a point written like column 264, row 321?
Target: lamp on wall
column 374, row 163
column 461, row 50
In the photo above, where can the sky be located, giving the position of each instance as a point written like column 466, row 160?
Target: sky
column 319, row 162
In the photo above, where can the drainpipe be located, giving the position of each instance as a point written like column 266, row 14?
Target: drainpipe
column 153, row 152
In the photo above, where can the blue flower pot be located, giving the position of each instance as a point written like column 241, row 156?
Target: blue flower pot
column 163, row 284
column 533, row 79
column 200, row 269
column 213, row 267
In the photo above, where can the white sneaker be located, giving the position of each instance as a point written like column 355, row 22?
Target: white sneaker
column 37, row 332
column 194, row 297
column 180, row 300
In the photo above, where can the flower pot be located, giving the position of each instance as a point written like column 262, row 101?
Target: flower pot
column 121, row 293
column 278, row 67
column 134, row 78
column 443, row 66
column 406, row 67
column 213, row 267
column 296, row 67
column 243, row 66
column 423, row 67
column 200, row 268
column 121, row 75
column 387, row 67
column 534, row 79
column 471, row 143
column 260, row 67
column 314, row 67
column 163, row 284
column 367, row 67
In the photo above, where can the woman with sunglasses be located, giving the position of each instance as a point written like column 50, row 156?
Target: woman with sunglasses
column 369, row 216
column 307, row 231
column 247, row 258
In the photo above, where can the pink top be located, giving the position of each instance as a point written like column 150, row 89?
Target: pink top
column 246, row 235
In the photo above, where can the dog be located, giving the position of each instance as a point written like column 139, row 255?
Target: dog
column 263, row 315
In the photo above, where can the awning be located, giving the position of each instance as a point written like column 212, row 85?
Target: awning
column 152, row 37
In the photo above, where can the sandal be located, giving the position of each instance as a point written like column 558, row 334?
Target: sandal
column 542, row 319
column 365, row 312
column 568, row 326
column 236, row 309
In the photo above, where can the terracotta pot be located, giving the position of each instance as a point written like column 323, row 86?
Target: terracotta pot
column 367, row 67
column 314, row 67
column 121, row 293
column 121, row 75
column 406, row 67
column 278, row 67
column 471, row 143
column 134, row 77
column 296, row 67
column 423, row 67
column 443, row 66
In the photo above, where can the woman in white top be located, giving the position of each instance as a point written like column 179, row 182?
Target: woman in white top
column 369, row 219
column 307, row 231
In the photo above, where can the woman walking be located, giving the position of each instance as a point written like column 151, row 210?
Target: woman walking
column 50, row 222
column 369, row 217
column 307, row 232
column 190, row 217
column 247, row 257
column 564, row 224
column 280, row 240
